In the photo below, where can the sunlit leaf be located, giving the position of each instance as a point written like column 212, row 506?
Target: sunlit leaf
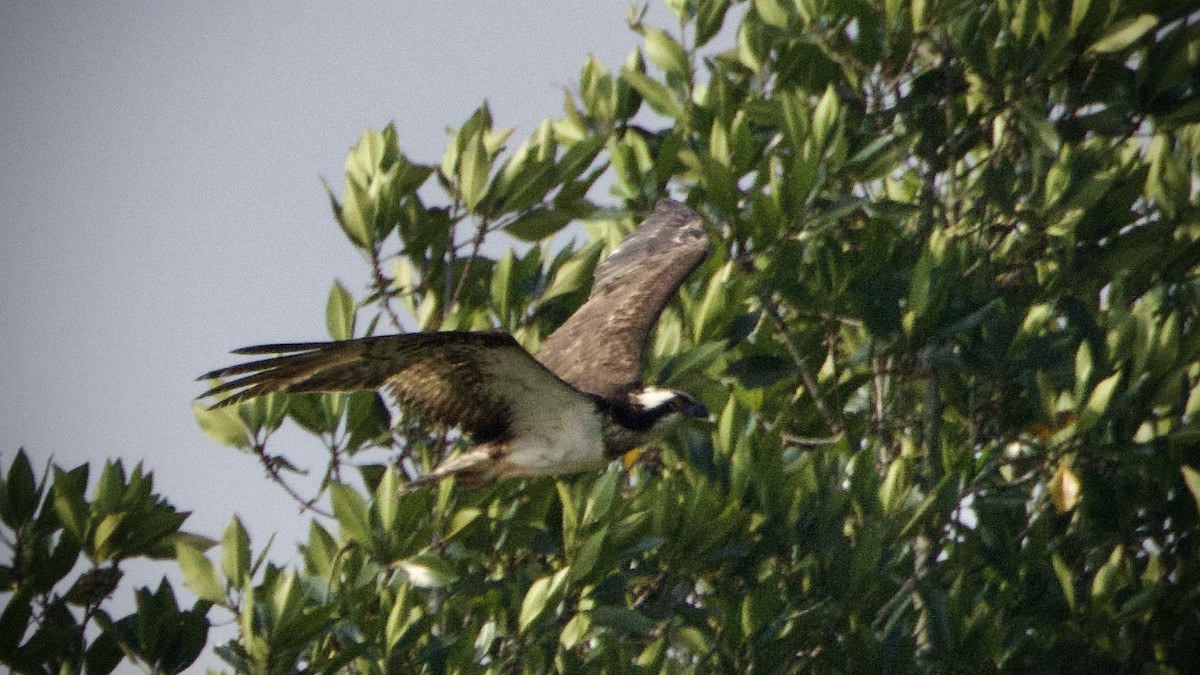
column 1124, row 34
column 427, row 571
column 350, row 509
column 474, row 170
column 1065, row 488
column 664, row 52
column 339, row 313
column 199, row 575
column 1098, row 401
column 222, row 425
column 1191, row 478
column 235, row 553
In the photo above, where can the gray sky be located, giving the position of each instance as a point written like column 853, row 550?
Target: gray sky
column 161, row 204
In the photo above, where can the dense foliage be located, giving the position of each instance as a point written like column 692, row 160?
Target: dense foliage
column 54, row 533
column 950, row 333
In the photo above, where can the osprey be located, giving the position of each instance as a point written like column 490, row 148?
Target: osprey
column 579, row 404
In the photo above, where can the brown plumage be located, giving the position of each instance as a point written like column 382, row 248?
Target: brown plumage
column 576, row 406
column 599, row 349
column 440, row 375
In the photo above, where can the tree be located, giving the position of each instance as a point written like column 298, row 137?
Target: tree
column 949, row 330
column 50, row 527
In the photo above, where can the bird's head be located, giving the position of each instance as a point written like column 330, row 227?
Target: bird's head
column 667, row 406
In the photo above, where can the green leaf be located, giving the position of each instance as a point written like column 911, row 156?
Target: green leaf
column 584, row 559
column 534, row 603
column 19, row 492
column 658, row 95
column 710, row 315
column 285, row 606
column 575, row 631
column 542, row 593
column 461, row 520
column 573, row 275
column 69, row 503
column 1191, row 478
column 600, row 501
column 1079, row 11
column 1039, row 129
column 538, row 223
column 14, row 622
column 622, row 619
column 62, row 561
column 235, row 553
column 570, row 512
column 428, row 571
column 710, row 16
column 895, row 488
column 772, row 12
column 761, row 370
column 926, row 508
column 199, row 575
column 1083, row 368
column 1066, row 578
column 103, row 655
column 474, row 170
column 825, row 116
column 1124, row 34
column 1098, row 401
column 110, row 488
column 339, row 313
column 502, row 285
column 103, row 548
column 523, row 182
column 350, row 510
column 356, row 215
column 579, row 157
column 222, row 425
column 664, row 52
column 367, row 419
column 314, row 412
column 1110, row 578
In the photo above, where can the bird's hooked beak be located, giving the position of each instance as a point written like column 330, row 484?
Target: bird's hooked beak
column 695, row 408
column 690, row 407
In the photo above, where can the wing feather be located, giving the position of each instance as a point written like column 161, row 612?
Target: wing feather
column 599, row 349
column 475, row 381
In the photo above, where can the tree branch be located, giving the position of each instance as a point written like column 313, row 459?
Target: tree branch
column 810, row 383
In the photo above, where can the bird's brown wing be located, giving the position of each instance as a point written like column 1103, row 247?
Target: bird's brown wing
column 471, row 380
column 599, row 348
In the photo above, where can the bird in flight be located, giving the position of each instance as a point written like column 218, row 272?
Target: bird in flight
column 578, row 405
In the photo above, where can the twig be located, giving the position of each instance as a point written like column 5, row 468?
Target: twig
column 381, row 284
column 476, row 244
column 933, row 416
column 271, row 464
column 810, row 383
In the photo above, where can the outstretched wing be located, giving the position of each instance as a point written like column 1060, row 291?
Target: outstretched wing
column 599, row 348
column 475, row 381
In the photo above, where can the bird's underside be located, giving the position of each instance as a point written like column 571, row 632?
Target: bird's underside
column 576, row 406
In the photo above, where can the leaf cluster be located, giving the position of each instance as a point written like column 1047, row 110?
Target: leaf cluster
column 51, row 529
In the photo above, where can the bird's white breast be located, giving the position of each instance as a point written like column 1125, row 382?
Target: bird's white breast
column 569, row 439
column 555, row 429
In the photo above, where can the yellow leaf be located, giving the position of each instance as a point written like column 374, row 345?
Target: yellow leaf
column 1065, row 488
